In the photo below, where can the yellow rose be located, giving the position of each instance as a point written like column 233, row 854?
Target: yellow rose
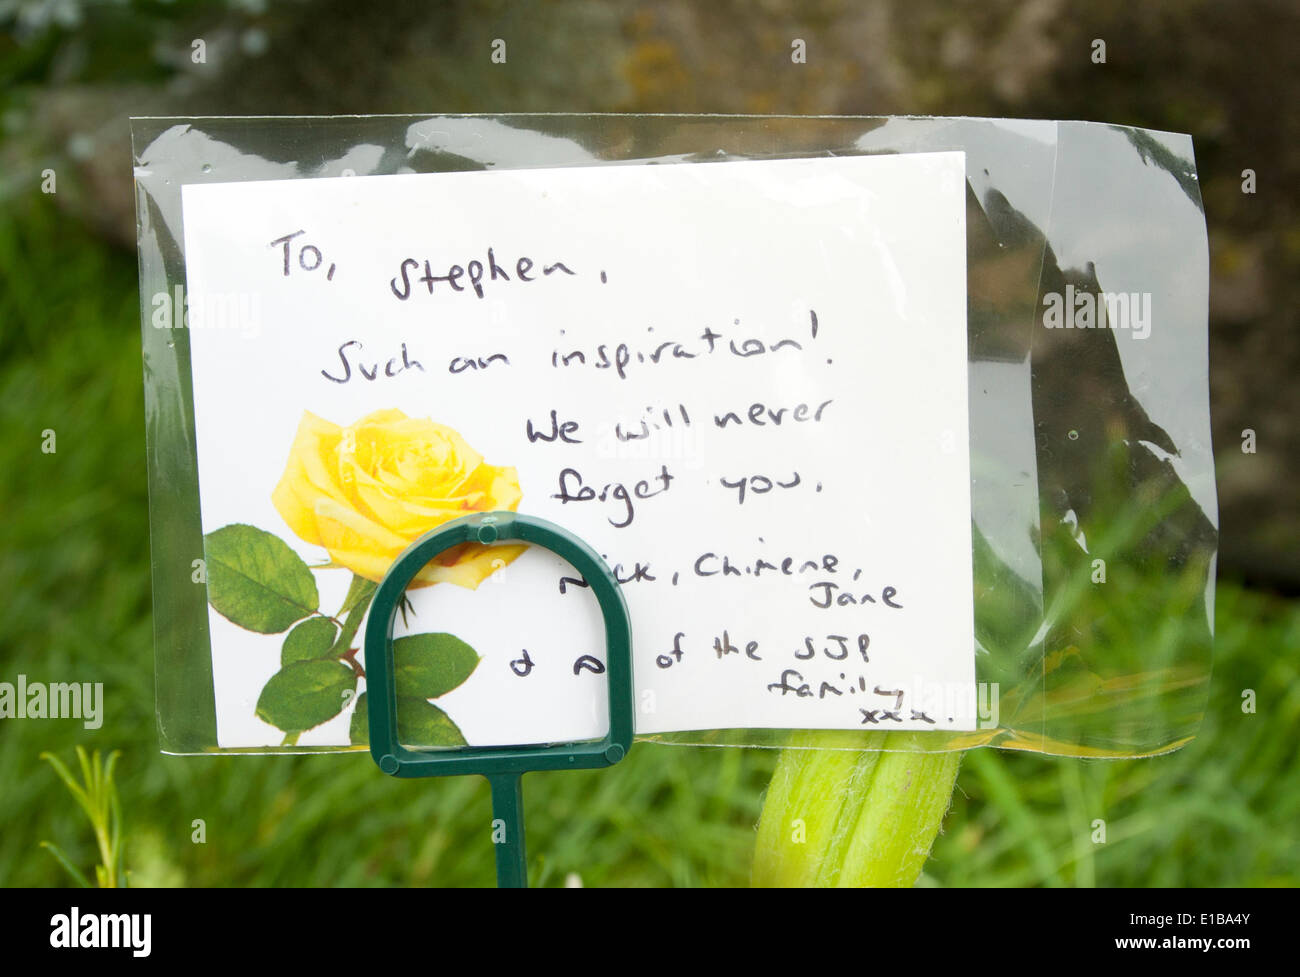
column 368, row 491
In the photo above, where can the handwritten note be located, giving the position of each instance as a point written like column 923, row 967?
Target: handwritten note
column 743, row 383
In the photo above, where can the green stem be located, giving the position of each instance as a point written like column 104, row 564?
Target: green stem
column 107, row 857
column 355, row 605
column 98, row 798
column 837, row 814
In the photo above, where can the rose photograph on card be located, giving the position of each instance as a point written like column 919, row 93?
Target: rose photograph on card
column 363, row 493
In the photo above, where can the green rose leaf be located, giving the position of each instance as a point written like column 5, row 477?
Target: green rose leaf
column 426, row 666
column 419, row 723
column 312, row 638
column 304, row 694
column 359, row 730
column 256, row 580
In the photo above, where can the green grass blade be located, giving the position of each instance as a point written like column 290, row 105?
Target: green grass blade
column 63, row 860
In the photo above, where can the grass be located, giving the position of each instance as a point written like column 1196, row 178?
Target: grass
column 1221, row 811
column 74, row 575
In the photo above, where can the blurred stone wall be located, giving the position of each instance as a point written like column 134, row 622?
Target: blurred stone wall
column 1222, row 70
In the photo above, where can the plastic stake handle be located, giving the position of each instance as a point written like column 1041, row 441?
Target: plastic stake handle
column 508, row 817
column 502, row 766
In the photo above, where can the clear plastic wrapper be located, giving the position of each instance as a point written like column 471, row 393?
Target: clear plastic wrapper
column 1094, row 520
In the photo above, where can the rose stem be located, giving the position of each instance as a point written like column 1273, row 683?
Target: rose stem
column 360, row 592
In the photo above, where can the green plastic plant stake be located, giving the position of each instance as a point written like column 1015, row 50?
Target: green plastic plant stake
column 502, row 766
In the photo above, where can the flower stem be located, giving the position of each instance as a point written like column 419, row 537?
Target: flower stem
column 355, row 605
column 849, row 816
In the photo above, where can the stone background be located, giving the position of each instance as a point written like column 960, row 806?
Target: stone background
column 1225, row 71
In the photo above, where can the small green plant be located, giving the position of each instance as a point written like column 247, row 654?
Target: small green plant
column 98, row 798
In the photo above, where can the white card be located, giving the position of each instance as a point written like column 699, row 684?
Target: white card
column 760, row 366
